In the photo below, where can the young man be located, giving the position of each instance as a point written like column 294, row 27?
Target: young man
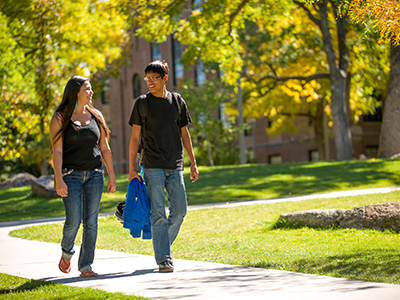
column 164, row 118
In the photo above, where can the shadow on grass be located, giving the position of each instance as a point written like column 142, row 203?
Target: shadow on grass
column 229, row 183
column 31, row 285
column 21, row 205
column 292, row 179
column 368, row 265
column 285, row 224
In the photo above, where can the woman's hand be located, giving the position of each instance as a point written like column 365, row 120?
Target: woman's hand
column 61, row 188
column 112, row 186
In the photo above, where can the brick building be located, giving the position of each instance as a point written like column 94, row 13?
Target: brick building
column 119, row 95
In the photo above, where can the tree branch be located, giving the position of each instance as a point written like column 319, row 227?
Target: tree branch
column 173, row 5
column 309, row 13
column 301, row 78
column 233, row 16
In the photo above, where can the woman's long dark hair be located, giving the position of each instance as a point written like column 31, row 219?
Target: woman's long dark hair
column 66, row 108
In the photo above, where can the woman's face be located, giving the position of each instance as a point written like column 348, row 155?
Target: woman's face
column 85, row 94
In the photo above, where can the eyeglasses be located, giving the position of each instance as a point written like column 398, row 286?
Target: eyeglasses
column 151, row 78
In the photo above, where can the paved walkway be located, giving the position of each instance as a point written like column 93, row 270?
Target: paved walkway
column 138, row 275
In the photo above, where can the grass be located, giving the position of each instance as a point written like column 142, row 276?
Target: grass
column 12, row 287
column 249, row 236
column 230, row 183
column 246, row 235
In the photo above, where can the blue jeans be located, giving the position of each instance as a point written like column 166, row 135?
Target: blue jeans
column 165, row 230
column 82, row 204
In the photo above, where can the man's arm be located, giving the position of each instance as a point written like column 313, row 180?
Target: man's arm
column 133, row 148
column 187, row 144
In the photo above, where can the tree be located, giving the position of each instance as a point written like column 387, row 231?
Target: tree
column 211, row 33
column 50, row 41
column 287, row 72
column 286, row 75
column 338, row 62
column 383, row 16
column 214, row 138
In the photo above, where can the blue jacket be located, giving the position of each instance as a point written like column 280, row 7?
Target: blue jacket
column 137, row 210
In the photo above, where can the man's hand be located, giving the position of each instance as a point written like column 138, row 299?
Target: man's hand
column 133, row 175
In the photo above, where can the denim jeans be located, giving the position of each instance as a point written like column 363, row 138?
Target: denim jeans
column 82, row 204
column 165, row 230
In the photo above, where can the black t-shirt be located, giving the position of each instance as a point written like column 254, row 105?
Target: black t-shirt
column 163, row 147
column 81, row 150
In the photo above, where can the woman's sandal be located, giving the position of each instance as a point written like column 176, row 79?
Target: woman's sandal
column 63, row 266
column 89, row 273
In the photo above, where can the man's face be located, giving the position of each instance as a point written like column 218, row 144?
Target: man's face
column 155, row 82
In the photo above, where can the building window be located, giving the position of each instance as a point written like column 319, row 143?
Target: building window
column 371, row 151
column 376, row 117
column 105, row 93
column 200, row 74
column 275, row 159
column 178, row 66
column 249, row 128
column 222, row 115
column 313, row 155
column 136, row 86
column 155, row 52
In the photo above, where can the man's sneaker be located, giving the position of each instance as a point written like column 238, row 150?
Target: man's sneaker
column 166, row 266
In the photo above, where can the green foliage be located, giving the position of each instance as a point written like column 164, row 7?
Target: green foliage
column 379, row 16
column 370, row 71
column 15, row 166
column 280, row 47
column 213, row 137
column 286, row 74
column 46, row 43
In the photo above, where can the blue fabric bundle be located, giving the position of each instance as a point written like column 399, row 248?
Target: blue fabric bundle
column 137, row 210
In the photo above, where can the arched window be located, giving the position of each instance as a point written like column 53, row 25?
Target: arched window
column 178, row 66
column 136, row 86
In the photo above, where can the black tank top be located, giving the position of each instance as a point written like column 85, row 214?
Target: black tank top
column 81, row 150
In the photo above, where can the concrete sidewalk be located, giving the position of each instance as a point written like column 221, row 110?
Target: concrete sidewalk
column 138, row 274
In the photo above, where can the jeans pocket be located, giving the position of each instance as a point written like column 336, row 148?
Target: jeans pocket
column 100, row 170
column 66, row 172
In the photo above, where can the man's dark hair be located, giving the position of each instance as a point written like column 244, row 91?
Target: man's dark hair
column 157, row 66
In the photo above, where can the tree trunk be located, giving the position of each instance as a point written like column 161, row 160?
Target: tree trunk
column 341, row 126
column 389, row 140
column 319, row 130
column 338, row 71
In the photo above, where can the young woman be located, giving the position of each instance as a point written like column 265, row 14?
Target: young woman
column 79, row 137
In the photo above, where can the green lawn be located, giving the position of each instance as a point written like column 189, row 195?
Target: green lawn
column 231, row 183
column 249, row 236
column 12, row 287
column 246, row 235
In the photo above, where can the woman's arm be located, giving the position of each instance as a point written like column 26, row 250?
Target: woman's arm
column 107, row 158
column 55, row 126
